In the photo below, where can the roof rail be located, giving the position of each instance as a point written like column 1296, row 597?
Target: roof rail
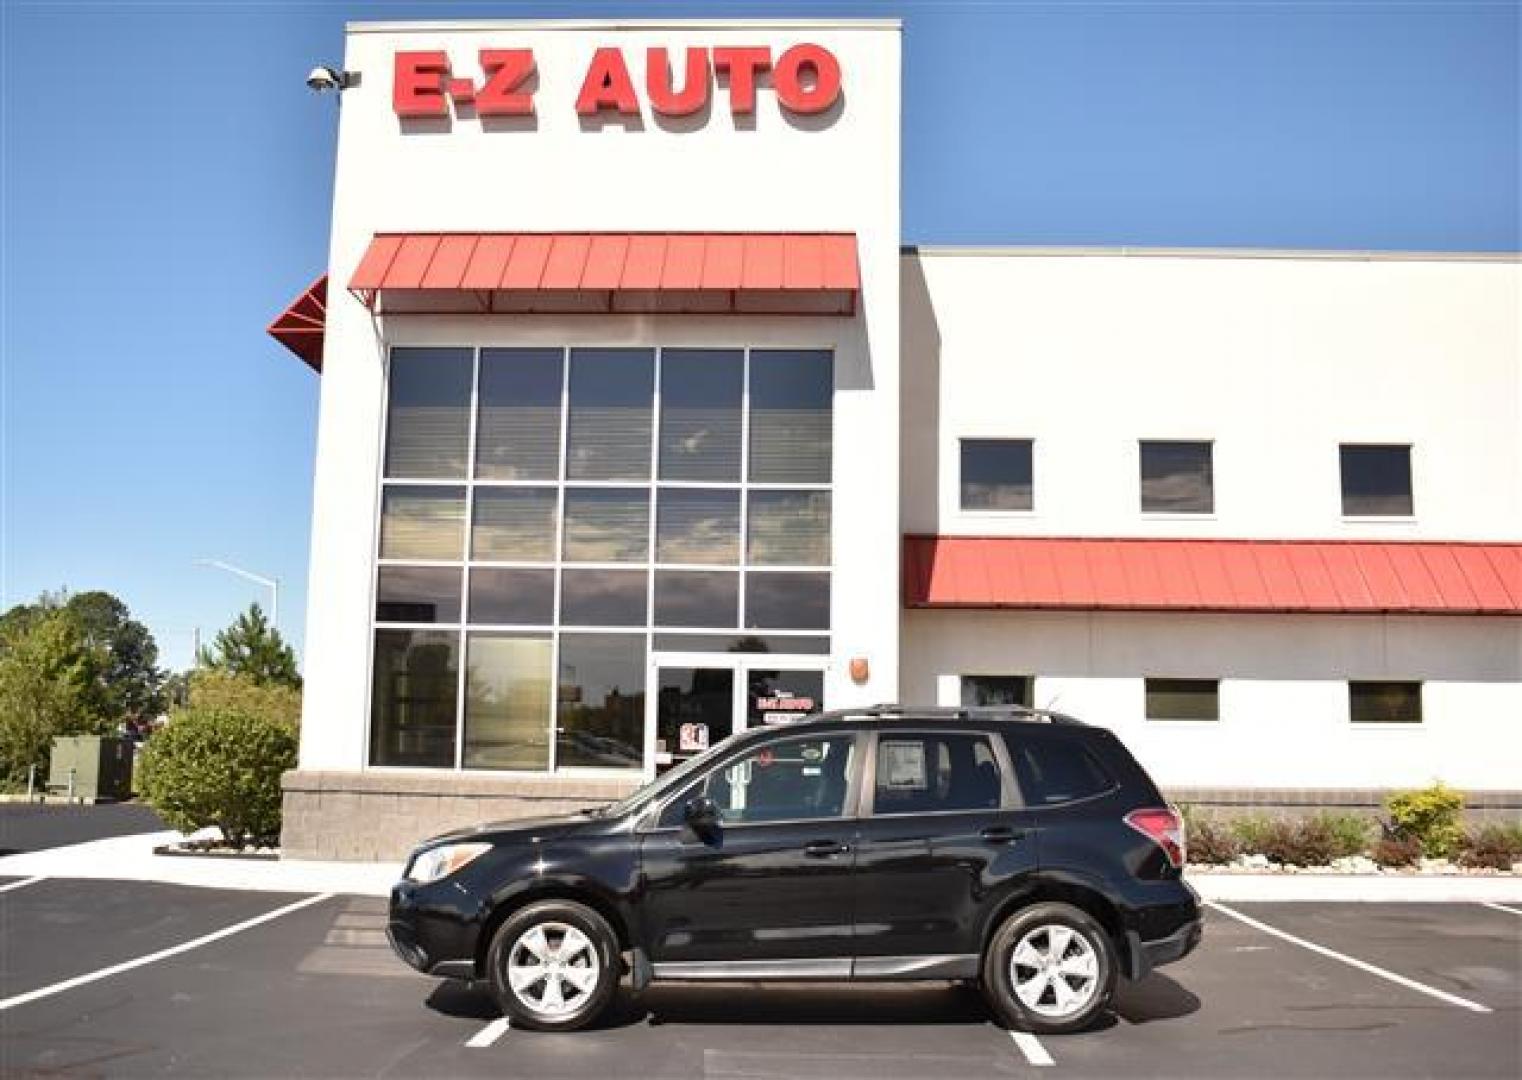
column 886, row 711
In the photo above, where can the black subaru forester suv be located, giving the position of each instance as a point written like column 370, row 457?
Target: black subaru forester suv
column 1019, row 849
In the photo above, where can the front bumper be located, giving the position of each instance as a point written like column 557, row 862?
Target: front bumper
column 427, row 939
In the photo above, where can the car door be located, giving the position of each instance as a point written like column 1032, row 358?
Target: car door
column 941, row 832
column 768, row 891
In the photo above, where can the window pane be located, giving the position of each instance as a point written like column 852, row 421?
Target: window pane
column 789, row 528
column 793, row 780
column 782, row 601
column 507, row 702
column 602, row 597
column 422, row 523
column 798, row 644
column 791, row 393
column 926, row 774
column 996, row 690
column 612, row 391
column 696, row 598
column 1052, row 772
column 607, row 524
column 518, row 427
column 412, row 711
column 996, row 474
column 700, row 414
column 694, row 525
column 514, row 524
column 602, row 700
column 418, row 594
column 694, row 709
column 1176, row 478
column 1376, row 480
column 428, row 413
column 1183, row 699
column 525, row 597
column 1385, row 702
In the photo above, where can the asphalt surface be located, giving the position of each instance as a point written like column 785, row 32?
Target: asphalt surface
column 35, row 826
column 316, row 992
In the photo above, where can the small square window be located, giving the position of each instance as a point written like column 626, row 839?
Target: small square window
column 1385, row 702
column 996, row 690
column 1376, row 481
column 996, row 474
column 1183, row 699
column 1176, row 478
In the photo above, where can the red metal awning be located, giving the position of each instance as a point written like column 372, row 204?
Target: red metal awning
column 1309, row 576
column 601, row 273
column 300, row 327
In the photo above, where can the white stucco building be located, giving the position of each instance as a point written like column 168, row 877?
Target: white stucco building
column 639, row 425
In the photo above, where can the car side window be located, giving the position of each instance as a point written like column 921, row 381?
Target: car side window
column 1052, row 772
column 786, row 780
column 928, row 773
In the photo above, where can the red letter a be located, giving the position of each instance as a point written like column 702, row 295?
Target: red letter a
column 607, row 86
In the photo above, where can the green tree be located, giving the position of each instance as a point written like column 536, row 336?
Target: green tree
column 251, row 647
column 51, row 683
column 222, row 691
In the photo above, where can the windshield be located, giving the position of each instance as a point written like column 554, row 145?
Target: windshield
column 669, row 781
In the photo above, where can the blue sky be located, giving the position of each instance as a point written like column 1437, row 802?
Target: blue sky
column 167, row 179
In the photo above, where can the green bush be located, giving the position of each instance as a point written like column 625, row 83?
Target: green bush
column 1209, row 840
column 1431, row 816
column 1494, row 846
column 1300, row 842
column 219, row 767
column 1396, row 850
column 1251, row 832
column 1349, row 833
column 227, row 692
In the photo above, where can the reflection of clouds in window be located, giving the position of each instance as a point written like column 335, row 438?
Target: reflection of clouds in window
column 512, row 524
column 518, row 418
column 507, row 697
column 418, row 594
column 701, row 393
column 996, row 474
column 787, row 601
column 607, row 525
column 697, row 526
column 499, row 595
column 791, row 394
column 789, row 528
column 603, row 597
column 697, row 598
column 428, row 415
column 609, row 428
column 422, row 523
column 1176, row 477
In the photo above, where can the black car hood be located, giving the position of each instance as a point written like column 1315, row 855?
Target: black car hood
column 520, row 831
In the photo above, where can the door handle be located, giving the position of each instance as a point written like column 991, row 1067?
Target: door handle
column 1001, row 834
column 823, row 849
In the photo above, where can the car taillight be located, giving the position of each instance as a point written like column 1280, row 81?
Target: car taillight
column 1165, row 827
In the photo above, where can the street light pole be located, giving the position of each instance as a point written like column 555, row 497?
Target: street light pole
column 273, row 584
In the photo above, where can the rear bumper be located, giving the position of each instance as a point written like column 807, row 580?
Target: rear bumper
column 1148, row 955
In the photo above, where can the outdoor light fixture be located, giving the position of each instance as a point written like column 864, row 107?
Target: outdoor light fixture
column 323, row 78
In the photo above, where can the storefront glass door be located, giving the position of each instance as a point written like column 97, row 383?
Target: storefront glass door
column 702, row 700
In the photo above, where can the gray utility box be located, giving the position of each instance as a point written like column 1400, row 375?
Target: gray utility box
column 102, row 767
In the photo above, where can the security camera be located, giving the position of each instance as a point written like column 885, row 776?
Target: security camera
column 323, row 79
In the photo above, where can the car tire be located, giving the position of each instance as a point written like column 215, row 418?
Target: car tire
column 553, row 966
column 1050, row 968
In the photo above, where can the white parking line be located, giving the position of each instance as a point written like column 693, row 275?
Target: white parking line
column 1030, row 1046
column 1501, row 907
column 23, row 883
column 489, row 1034
column 162, row 954
column 1361, row 965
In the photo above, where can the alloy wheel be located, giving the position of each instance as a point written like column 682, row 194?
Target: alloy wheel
column 1054, row 970
column 552, row 969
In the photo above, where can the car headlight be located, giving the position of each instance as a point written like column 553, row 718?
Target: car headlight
column 440, row 862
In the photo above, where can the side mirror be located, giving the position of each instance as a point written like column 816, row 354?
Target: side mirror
column 701, row 815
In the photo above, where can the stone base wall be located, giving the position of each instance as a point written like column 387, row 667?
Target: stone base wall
column 377, row 816
column 1480, row 807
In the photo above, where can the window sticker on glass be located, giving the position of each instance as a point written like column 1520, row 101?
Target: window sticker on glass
column 903, row 766
column 693, row 737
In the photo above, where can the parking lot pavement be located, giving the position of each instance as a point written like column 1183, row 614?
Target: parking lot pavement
column 37, row 826
column 315, row 991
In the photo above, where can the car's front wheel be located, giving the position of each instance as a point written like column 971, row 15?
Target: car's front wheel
column 553, row 966
column 1050, row 968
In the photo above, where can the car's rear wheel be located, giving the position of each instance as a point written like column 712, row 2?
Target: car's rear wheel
column 553, row 966
column 1050, row 968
